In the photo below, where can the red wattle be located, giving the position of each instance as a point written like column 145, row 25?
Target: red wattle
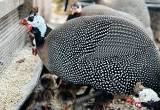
column 29, row 27
column 23, row 21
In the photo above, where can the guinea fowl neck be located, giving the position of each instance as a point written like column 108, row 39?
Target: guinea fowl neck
column 42, row 48
column 39, row 41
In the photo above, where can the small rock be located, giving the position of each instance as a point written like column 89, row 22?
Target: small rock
column 21, row 60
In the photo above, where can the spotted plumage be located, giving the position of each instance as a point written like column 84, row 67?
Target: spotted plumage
column 107, row 53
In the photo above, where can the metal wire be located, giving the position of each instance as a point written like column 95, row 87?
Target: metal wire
column 12, row 38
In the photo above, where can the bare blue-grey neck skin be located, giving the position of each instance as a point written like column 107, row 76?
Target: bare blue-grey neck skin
column 107, row 53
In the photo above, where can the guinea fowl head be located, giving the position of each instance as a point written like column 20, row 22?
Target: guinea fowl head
column 147, row 95
column 47, row 81
column 38, row 28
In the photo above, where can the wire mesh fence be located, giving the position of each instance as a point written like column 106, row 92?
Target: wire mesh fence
column 12, row 38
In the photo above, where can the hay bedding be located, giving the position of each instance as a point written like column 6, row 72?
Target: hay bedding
column 15, row 82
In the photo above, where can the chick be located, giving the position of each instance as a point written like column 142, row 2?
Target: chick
column 103, row 100
column 41, row 106
column 66, row 98
column 44, row 94
column 67, row 94
column 47, row 81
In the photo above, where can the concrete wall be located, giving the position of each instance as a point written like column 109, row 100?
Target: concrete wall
column 8, row 5
column 44, row 8
column 153, row 1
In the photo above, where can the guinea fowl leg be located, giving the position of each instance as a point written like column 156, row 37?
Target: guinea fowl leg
column 31, row 36
column 34, row 51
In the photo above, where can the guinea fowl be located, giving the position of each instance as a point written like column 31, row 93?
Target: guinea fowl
column 94, row 10
column 136, row 8
column 48, row 81
column 107, row 53
column 69, row 94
